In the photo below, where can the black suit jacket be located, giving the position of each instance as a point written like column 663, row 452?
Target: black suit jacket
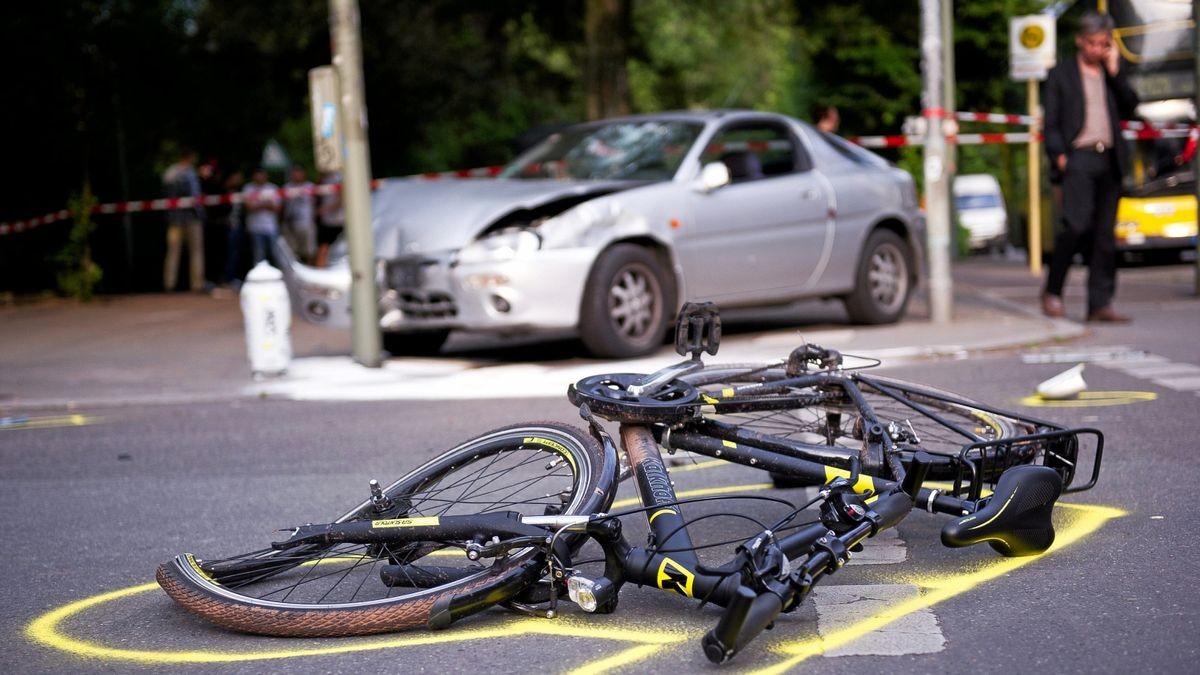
column 1064, row 103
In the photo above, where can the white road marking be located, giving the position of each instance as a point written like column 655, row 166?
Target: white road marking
column 1116, row 356
column 1160, row 371
column 1157, row 369
column 1191, row 383
column 841, row 606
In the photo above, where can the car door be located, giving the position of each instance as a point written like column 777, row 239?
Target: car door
column 760, row 237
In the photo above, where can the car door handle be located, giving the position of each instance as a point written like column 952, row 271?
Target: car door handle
column 810, row 194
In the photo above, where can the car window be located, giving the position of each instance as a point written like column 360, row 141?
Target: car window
column 847, row 149
column 627, row 150
column 755, row 150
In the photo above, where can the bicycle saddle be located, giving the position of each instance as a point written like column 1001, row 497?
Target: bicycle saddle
column 1015, row 520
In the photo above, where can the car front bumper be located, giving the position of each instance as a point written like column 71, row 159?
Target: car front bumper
column 541, row 291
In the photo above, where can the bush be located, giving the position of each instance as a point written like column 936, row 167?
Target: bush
column 78, row 274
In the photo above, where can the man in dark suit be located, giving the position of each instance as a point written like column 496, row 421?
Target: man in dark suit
column 1086, row 98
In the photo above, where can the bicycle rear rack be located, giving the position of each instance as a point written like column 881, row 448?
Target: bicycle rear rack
column 981, row 464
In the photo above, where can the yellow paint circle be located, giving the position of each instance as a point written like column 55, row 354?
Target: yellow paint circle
column 1091, row 399
column 47, row 630
column 1032, row 36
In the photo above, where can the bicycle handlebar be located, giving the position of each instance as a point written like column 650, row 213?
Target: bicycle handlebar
column 744, row 618
column 749, row 613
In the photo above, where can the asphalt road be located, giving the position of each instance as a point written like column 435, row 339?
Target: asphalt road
column 94, row 501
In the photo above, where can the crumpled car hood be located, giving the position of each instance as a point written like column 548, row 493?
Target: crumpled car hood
column 419, row 216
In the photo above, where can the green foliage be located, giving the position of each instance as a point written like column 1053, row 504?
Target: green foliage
column 981, row 53
column 865, row 59
column 77, row 273
column 713, row 54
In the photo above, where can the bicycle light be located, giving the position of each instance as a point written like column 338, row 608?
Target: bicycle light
column 590, row 594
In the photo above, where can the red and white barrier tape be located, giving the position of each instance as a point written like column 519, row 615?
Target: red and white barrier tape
column 995, row 118
column 1141, row 134
column 1028, row 120
column 227, row 198
column 961, row 139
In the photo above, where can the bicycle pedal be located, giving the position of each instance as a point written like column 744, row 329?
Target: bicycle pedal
column 698, row 329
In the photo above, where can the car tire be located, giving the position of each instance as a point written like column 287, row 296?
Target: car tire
column 427, row 343
column 883, row 283
column 627, row 303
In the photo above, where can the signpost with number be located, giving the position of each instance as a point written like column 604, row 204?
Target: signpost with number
column 1031, row 42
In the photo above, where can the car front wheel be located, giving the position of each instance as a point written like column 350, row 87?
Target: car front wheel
column 883, row 283
column 625, row 303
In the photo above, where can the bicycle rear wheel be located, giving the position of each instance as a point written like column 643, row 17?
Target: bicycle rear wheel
column 358, row 589
column 835, row 422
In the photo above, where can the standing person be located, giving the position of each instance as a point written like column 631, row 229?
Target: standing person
column 332, row 217
column 299, row 228
column 1085, row 100
column 261, row 201
column 180, row 180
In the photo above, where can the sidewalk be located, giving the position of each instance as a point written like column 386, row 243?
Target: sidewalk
column 147, row 349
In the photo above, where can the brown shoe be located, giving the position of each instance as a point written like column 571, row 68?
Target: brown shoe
column 1052, row 306
column 1108, row 315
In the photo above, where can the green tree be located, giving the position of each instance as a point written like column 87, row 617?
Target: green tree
column 714, row 54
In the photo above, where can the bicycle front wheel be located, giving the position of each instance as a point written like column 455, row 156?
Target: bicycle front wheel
column 359, row 589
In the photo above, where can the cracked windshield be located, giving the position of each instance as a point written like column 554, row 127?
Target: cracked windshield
column 646, row 151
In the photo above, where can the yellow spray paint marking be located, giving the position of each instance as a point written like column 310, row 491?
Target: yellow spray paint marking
column 1091, row 399
column 1082, row 520
column 47, row 631
column 21, row 422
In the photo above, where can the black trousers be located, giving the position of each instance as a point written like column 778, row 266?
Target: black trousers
column 1091, row 188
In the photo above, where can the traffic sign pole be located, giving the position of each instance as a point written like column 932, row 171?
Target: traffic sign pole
column 1035, row 187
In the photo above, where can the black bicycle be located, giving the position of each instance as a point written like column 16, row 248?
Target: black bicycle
column 507, row 518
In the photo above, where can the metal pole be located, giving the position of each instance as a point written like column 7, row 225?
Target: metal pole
column 937, row 183
column 1035, row 186
column 356, row 183
column 1196, row 107
column 949, row 101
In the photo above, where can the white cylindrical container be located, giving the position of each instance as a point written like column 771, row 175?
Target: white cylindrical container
column 268, row 315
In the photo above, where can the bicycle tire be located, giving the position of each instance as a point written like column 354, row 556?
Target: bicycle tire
column 510, row 468
column 809, row 424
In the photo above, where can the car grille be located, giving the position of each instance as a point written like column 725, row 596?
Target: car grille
column 407, row 273
column 426, row 305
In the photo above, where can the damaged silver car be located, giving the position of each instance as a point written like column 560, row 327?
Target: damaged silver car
column 604, row 228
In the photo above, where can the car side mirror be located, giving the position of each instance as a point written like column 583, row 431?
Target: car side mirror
column 713, row 176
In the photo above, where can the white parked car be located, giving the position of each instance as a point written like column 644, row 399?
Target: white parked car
column 605, row 228
column 979, row 204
